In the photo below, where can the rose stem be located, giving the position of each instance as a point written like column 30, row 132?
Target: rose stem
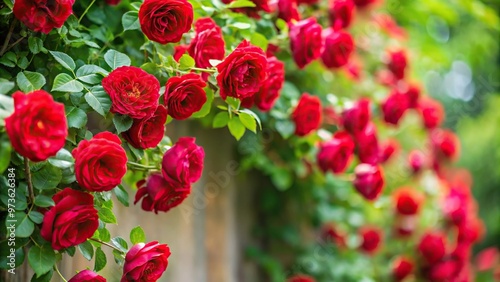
column 28, row 176
column 86, row 10
column 106, row 244
column 7, row 39
column 58, row 272
column 204, row 70
column 141, row 165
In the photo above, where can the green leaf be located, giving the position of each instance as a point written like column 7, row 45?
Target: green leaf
column 118, row 257
column 138, row 153
column 233, row 102
column 248, row 121
column 254, row 115
column 98, row 99
column 130, row 20
column 63, row 59
column 77, row 118
column 63, row 159
column 259, row 40
column 120, row 243
column 23, row 225
column 137, row 235
column 5, row 87
column 122, row 195
column 47, row 178
column 285, row 127
column 241, row 25
column 41, row 259
column 100, row 260
column 205, row 110
column 220, row 120
column 43, row 278
column 86, row 249
column 122, row 123
column 91, row 74
column 5, row 155
column 65, row 83
column 29, row 81
column 236, row 128
column 107, row 215
column 104, row 235
column 36, row 217
column 186, row 62
column 241, row 4
column 43, row 201
column 115, row 59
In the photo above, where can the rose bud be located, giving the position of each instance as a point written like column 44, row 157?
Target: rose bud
column 332, row 235
column 145, row 262
column 408, row 201
column 207, row 44
column 445, row 144
column 158, row 195
column 339, row 46
column 87, row 276
column 364, row 3
column 356, row 117
column 401, row 268
column 260, row 5
column 100, row 163
column 388, row 149
column 165, row 21
column 432, row 247
column 43, row 16
column 147, row 132
column 180, row 50
column 133, row 91
column 397, row 63
column 443, row 270
column 394, row 106
column 287, row 10
column 184, row 95
column 368, row 181
column 370, row 240
column 417, row 160
column 432, row 112
column 37, row 128
column 367, row 144
column 336, row 154
column 243, row 72
column 487, row 259
column 71, row 221
column 341, row 13
column 301, row 278
column 307, row 114
column 305, row 41
column 182, row 164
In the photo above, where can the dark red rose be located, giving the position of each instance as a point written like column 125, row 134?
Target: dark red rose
column 165, row 21
column 371, row 239
column 301, row 278
column 339, row 46
column 367, row 145
column 133, row 91
column 364, row 3
column 43, row 15
column 388, row 149
column 38, row 128
column 445, row 144
column 443, row 270
column 271, row 50
column 356, row 117
column 207, row 44
column 112, row 3
column 243, row 72
column 180, row 50
column 159, row 195
column 145, row 262
column 147, row 132
column 305, row 41
column 87, row 276
column 417, row 160
column 260, row 5
column 71, row 221
column 413, row 94
column 307, row 114
column 397, row 63
column 368, row 181
column 394, row 106
column 487, row 259
column 432, row 247
column 332, row 235
column 407, row 201
column 307, row 2
column 287, row 10
column 341, row 13
column 401, row 268
column 100, row 163
column 184, row 95
column 182, row 164
column 432, row 112
column 335, row 155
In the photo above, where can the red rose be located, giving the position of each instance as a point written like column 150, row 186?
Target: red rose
column 307, row 114
column 471, row 230
column 341, row 13
column 147, row 132
column 417, row 160
column 408, row 201
column 305, row 41
column 445, row 144
column 394, row 106
column 432, row 112
column 260, row 5
column 487, row 258
column 184, row 95
column 301, row 278
column 287, row 10
column 368, row 181
column 363, row 3
column 87, row 276
column 356, row 117
column 182, row 164
column 339, row 46
column 333, row 235
column 37, row 129
column 388, row 149
column 71, row 221
column 243, row 72
column 133, row 91
column 443, row 270
column 158, row 195
column 112, row 3
column 165, row 21
column 413, row 94
column 207, row 44
column 307, row 2
column 371, row 239
column 43, row 15
column 397, row 63
column 367, row 145
column 401, row 268
column 100, row 163
column 179, row 50
column 335, row 155
column 432, row 247
column 457, row 204
column 145, row 262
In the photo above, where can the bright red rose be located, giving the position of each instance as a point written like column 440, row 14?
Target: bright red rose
column 301, row 278
column 394, row 106
column 37, row 129
column 43, row 15
column 432, row 112
column 445, row 144
column 307, row 114
column 341, row 13
column 408, row 201
column 147, row 132
column 145, row 262
column 432, row 247
column 207, row 44
column 182, row 164
column 339, row 46
column 165, row 21
column 184, row 95
column 158, row 195
column 371, row 239
column 401, row 268
column 305, row 41
column 443, row 270
column 369, row 181
column 71, row 221
column 364, row 3
column 133, row 91
column 87, row 276
column 471, row 230
column 100, row 163
column 180, row 50
column 332, row 235
column 397, row 63
column 388, row 149
column 417, row 160
column 260, row 5
column 367, row 145
column 243, row 72
column 287, row 10
column 356, row 117
column 335, row 155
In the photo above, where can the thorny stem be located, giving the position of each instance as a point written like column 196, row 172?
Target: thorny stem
column 28, row 177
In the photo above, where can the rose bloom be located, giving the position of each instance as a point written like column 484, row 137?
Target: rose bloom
column 413, row 94
column 260, row 5
column 487, row 259
column 207, row 44
column 307, row 2
column 339, row 46
column 356, row 117
column 432, row 246
column 43, row 15
column 287, row 10
column 401, row 268
column 307, row 114
column 87, row 276
column 471, row 230
column 184, row 95
column 100, row 163
column 388, row 149
column 158, row 195
column 443, row 270
column 37, row 128
column 147, row 132
column 145, row 262
column 71, row 221
column 457, row 204
column 133, row 91
column 341, row 13
column 394, row 107
column 367, row 145
column 243, row 72
column 369, row 181
column 332, row 235
column 407, row 201
column 301, row 278
column 432, row 112
column 165, row 21
column 445, row 144
column 182, row 164
column 397, row 63
column 180, row 50
column 335, row 155
column 364, row 3
column 371, row 239
column 305, row 41
column 417, row 160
